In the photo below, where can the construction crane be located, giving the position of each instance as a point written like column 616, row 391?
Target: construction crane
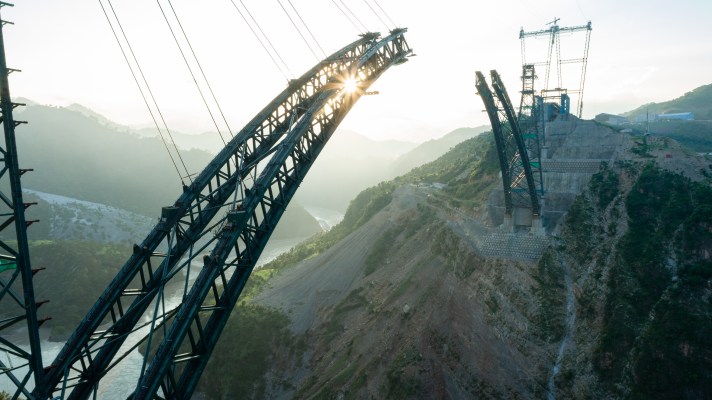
column 554, row 46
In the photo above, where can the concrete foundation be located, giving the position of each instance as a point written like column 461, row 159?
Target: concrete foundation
column 573, row 153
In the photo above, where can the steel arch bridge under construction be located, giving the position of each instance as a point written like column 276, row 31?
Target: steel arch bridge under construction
column 209, row 241
column 518, row 170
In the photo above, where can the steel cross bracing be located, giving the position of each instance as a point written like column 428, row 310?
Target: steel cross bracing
column 531, row 124
column 517, row 175
column 249, row 183
column 554, row 33
column 18, row 307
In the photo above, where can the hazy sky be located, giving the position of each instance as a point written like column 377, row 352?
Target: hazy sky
column 641, row 51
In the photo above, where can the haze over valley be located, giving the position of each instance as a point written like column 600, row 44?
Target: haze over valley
column 356, row 200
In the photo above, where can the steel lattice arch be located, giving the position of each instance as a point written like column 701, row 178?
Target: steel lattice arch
column 518, row 181
column 209, row 241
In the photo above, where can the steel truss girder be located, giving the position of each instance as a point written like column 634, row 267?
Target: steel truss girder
column 285, row 126
column 517, row 176
column 17, row 296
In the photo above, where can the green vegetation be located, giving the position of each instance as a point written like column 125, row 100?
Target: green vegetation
column 695, row 135
column 550, row 294
column 697, row 101
column 605, row 183
column 581, row 228
column 406, row 227
column 75, row 274
column 466, row 165
column 378, row 252
column 362, row 208
column 95, row 162
column 657, row 328
column 469, row 170
column 253, row 335
column 400, row 384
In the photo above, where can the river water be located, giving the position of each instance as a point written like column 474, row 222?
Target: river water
column 120, row 381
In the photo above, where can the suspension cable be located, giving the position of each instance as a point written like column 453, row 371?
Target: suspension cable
column 165, row 125
column 202, row 96
column 354, row 15
column 201, row 71
column 385, row 13
column 298, row 30
column 347, row 16
column 376, row 14
column 308, row 30
column 267, row 38
column 261, row 42
column 140, row 89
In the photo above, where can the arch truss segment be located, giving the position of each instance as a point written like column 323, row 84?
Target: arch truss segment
column 517, row 173
column 210, row 239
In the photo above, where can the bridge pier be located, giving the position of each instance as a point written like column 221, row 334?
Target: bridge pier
column 507, row 223
column 537, row 228
column 522, row 216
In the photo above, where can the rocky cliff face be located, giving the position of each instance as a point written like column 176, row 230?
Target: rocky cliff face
column 412, row 302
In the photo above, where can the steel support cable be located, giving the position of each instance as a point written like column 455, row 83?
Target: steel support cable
column 347, row 16
column 202, row 72
column 376, row 14
column 385, row 13
column 354, row 15
column 558, row 60
column 148, row 88
column 298, row 31
column 583, row 73
column 190, row 70
column 267, row 38
column 279, row 67
column 143, row 95
column 307, row 26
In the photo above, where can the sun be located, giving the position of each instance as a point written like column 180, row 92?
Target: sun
column 351, row 85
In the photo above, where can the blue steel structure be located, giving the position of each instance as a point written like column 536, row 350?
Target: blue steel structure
column 210, row 239
column 517, row 173
column 531, row 122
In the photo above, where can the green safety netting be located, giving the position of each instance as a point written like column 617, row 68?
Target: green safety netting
column 5, row 265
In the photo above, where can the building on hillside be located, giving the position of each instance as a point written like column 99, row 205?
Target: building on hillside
column 684, row 116
column 611, row 119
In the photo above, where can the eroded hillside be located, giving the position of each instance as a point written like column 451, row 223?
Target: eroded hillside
column 402, row 301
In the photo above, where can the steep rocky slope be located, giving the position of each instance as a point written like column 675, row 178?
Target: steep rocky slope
column 402, row 301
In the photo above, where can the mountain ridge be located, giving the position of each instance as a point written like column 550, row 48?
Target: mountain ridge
column 698, row 101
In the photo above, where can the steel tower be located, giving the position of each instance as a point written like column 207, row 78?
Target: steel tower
column 558, row 90
column 18, row 306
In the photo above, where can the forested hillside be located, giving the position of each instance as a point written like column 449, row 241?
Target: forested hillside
column 81, row 156
column 697, row 101
column 76, row 156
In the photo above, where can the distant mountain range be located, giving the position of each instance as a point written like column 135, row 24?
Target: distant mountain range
column 350, row 163
column 432, row 149
column 79, row 154
column 696, row 135
column 698, row 101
